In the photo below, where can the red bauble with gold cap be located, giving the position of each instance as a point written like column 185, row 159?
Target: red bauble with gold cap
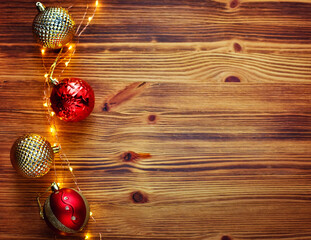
column 66, row 211
column 72, row 99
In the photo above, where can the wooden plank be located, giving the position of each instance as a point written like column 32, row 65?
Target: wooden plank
column 174, row 21
column 127, row 63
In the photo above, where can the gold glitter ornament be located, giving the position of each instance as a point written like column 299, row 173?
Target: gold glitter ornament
column 32, row 155
column 53, row 27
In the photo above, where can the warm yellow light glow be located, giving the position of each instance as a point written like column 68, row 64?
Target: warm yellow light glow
column 70, row 47
column 58, row 184
column 42, row 51
column 90, row 19
column 66, row 63
column 96, row 3
column 54, row 145
column 52, row 129
column 46, row 75
column 52, row 113
column 86, row 236
column 70, row 169
column 91, row 213
column 45, row 104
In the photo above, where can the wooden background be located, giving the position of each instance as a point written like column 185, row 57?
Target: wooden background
column 217, row 92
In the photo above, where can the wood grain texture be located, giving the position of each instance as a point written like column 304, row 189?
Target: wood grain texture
column 208, row 130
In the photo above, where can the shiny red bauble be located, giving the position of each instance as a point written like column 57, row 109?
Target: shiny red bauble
column 72, row 99
column 66, row 211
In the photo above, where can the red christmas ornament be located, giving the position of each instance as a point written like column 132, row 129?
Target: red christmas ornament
column 72, row 99
column 66, row 211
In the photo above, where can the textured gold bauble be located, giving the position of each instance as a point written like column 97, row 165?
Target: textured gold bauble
column 53, row 27
column 32, row 155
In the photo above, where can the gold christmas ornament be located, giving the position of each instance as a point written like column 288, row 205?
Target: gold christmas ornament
column 32, row 155
column 53, row 27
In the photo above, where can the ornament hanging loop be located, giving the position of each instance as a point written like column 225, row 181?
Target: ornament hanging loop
column 54, row 187
column 40, row 6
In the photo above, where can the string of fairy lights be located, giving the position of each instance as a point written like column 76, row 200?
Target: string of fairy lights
column 63, row 58
column 66, row 211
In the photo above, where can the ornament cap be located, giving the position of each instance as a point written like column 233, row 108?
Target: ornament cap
column 40, row 6
column 54, row 187
column 54, row 81
column 56, row 149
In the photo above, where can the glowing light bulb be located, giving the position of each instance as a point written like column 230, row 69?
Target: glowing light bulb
column 52, row 129
column 42, row 51
column 91, row 213
column 52, row 114
column 70, row 169
column 70, row 47
column 45, row 104
column 46, row 75
column 90, row 19
column 66, row 63
column 96, row 3
column 86, row 236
